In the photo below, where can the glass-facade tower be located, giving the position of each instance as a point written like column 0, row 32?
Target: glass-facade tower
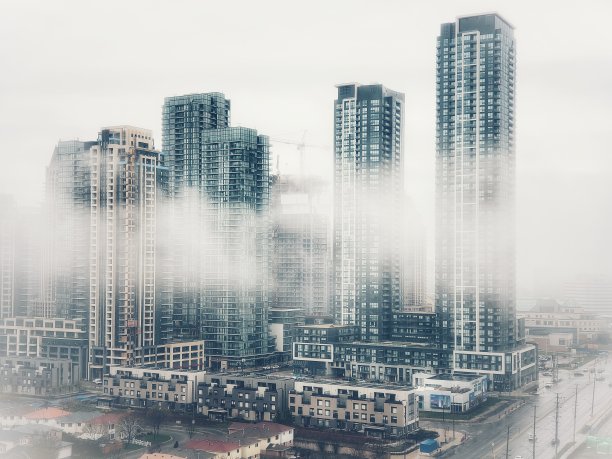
column 184, row 120
column 368, row 187
column 68, row 194
column 475, row 186
column 217, row 255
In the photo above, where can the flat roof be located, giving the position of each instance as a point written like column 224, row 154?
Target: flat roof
column 402, row 344
column 357, row 384
column 454, row 377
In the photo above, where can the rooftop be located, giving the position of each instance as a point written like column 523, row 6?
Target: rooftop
column 356, row 384
column 213, row 446
column 396, row 344
column 47, row 413
column 454, row 377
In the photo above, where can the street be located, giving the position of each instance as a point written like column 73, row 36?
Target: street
column 489, row 439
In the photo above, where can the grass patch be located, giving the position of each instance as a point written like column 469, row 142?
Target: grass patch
column 131, row 447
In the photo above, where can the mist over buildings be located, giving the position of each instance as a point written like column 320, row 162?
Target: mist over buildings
column 563, row 168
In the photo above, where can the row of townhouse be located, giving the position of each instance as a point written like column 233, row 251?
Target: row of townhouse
column 383, row 410
column 143, row 387
column 38, row 376
column 389, row 410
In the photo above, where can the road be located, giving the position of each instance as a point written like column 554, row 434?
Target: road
column 604, row 430
column 488, row 439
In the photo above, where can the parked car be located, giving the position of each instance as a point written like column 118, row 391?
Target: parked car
column 532, row 437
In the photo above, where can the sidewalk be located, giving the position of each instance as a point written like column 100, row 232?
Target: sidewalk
column 460, row 437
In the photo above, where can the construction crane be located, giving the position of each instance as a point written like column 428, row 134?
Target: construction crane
column 301, row 148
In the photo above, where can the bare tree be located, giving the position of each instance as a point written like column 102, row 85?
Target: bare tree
column 95, row 432
column 155, row 418
column 129, row 428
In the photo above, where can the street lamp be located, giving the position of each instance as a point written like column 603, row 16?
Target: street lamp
column 453, row 413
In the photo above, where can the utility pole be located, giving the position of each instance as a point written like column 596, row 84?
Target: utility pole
column 575, row 412
column 508, row 442
column 556, row 429
column 593, row 400
column 534, row 430
column 443, row 418
column 454, row 414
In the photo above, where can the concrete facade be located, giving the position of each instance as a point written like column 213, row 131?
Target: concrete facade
column 387, row 411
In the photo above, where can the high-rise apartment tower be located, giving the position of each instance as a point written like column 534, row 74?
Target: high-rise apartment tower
column 368, row 187
column 125, row 181
column 475, row 188
column 219, row 199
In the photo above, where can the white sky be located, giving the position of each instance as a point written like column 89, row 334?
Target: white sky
column 69, row 67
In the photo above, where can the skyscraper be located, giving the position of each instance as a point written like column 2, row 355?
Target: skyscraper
column 184, row 120
column 8, row 216
column 368, row 185
column 475, row 186
column 414, row 258
column 235, row 302
column 125, row 180
column 300, row 241
column 68, row 201
column 219, row 192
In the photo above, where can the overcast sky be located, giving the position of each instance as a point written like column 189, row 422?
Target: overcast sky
column 71, row 67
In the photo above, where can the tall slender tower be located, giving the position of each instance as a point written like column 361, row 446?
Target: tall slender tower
column 8, row 216
column 368, row 186
column 125, row 175
column 68, row 197
column 300, row 261
column 475, row 187
column 184, row 121
column 235, row 279
column 219, row 192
